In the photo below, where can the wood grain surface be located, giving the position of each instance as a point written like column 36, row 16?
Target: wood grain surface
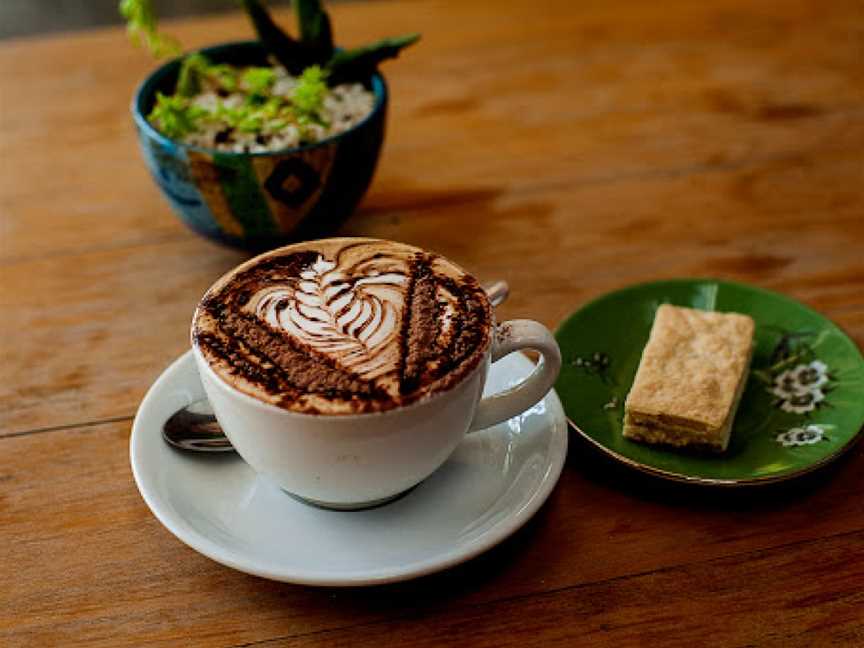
column 570, row 148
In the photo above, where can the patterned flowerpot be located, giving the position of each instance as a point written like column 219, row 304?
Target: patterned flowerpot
column 260, row 200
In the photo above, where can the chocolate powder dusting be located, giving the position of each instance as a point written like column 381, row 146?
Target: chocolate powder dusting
column 303, row 368
column 299, row 371
column 422, row 326
column 247, row 363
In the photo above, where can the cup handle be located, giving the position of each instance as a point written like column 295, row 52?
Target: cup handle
column 512, row 336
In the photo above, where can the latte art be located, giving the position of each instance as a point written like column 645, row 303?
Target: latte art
column 343, row 326
column 353, row 319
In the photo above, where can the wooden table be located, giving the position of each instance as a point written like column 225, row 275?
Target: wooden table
column 568, row 147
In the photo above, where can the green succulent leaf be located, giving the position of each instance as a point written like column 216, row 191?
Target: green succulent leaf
column 175, row 116
column 308, row 95
column 316, row 32
column 258, row 80
column 192, row 71
column 289, row 52
column 196, row 68
column 225, row 76
column 142, row 24
column 358, row 63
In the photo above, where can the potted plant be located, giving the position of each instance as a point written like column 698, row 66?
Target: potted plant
column 257, row 143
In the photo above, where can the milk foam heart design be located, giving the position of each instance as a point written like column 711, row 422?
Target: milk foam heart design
column 355, row 320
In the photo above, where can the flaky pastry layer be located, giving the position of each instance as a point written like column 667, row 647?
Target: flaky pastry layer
column 690, row 379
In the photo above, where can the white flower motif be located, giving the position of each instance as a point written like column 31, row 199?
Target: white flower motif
column 785, row 439
column 786, row 384
column 798, row 436
column 799, row 390
column 803, row 403
column 809, row 435
column 810, row 377
column 801, row 379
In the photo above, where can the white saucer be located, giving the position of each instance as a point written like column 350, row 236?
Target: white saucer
column 494, row 482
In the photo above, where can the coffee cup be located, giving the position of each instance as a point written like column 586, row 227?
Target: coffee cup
column 348, row 370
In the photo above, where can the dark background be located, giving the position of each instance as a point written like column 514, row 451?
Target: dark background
column 29, row 17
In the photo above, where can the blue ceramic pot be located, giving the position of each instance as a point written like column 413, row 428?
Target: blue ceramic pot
column 260, row 200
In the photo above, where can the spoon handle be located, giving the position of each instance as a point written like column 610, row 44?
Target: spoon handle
column 497, row 292
column 190, row 430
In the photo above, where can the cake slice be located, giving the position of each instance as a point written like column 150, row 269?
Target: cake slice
column 690, row 379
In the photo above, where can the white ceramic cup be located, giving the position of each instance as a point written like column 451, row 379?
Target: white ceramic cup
column 355, row 461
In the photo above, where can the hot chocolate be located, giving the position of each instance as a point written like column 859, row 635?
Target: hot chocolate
column 344, row 326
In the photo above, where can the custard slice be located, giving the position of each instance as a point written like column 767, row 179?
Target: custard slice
column 690, row 379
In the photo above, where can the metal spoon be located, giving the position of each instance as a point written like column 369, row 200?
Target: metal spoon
column 194, row 427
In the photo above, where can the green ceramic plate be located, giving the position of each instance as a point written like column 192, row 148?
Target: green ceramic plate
column 802, row 407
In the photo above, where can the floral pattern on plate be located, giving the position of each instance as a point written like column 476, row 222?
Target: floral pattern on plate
column 799, row 383
column 801, row 436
